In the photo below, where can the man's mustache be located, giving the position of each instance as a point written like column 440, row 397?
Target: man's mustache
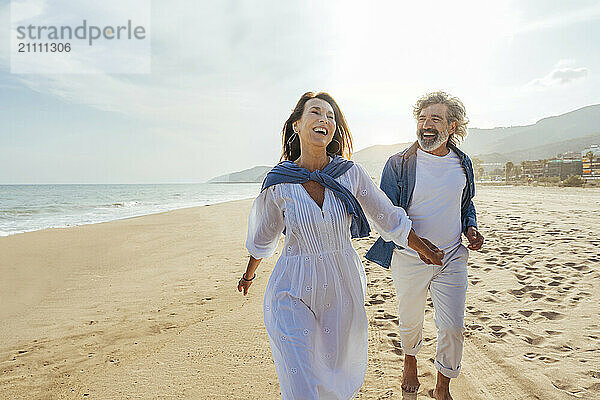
column 428, row 130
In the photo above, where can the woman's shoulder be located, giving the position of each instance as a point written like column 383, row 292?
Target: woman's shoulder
column 357, row 169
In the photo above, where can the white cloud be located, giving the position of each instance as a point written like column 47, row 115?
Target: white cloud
column 559, row 76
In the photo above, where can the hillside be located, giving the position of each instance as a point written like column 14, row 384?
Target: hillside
column 373, row 158
column 251, row 175
column 550, row 150
column 575, row 124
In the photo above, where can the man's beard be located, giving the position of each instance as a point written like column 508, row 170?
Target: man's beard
column 435, row 142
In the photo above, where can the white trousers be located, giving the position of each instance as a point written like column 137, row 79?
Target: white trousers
column 447, row 285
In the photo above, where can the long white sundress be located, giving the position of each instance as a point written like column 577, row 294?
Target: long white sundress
column 314, row 301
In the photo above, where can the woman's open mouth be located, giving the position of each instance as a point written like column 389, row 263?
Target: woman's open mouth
column 320, row 130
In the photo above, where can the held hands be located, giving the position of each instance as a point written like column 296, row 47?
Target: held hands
column 475, row 238
column 431, row 255
column 428, row 252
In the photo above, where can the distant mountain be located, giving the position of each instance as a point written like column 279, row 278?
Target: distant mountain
column 251, row 175
column 373, row 158
column 553, row 149
column 547, row 138
column 492, row 158
column 561, row 128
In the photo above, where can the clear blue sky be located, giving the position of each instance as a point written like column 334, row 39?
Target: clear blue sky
column 225, row 75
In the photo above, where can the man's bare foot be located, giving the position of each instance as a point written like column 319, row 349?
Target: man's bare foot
column 410, row 381
column 442, row 388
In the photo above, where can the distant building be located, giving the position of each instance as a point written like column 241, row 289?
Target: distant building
column 595, row 148
column 533, row 169
column 570, row 155
column 491, row 168
column 563, row 167
column 591, row 165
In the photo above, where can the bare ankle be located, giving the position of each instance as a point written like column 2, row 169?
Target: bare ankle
column 443, row 383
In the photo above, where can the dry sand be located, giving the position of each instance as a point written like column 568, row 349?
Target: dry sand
column 146, row 308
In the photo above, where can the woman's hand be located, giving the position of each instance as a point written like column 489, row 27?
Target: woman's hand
column 244, row 284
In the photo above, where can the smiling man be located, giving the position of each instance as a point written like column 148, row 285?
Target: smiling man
column 433, row 181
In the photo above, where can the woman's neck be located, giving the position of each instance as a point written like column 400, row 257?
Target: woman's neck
column 313, row 159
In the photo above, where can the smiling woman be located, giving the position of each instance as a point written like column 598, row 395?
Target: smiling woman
column 314, row 301
column 340, row 145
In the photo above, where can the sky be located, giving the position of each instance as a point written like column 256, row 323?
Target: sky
column 225, row 76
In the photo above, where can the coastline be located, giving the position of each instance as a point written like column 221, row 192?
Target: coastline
column 146, row 307
column 77, row 205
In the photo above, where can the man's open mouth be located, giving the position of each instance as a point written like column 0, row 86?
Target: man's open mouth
column 428, row 135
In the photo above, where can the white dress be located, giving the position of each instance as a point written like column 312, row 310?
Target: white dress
column 314, row 301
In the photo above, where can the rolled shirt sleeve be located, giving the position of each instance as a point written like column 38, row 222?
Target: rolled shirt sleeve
column 391, row 222
column 265, row 225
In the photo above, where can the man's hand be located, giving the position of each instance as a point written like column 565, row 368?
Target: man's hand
column 436, row 255
column 475, row 238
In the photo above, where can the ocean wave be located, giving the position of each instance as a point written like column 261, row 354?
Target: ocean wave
column 21, row 212
column 72, row 205
column 123, row 204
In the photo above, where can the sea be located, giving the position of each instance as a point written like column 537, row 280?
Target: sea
column 26, row 208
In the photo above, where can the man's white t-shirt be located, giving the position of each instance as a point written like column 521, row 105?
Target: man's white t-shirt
column 435, row 208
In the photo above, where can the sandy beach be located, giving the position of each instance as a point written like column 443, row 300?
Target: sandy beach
column 146, row 307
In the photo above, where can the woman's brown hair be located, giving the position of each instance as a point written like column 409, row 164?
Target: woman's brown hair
column 341, row 144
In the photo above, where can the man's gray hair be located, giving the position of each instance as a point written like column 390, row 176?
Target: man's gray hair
column 456, row 113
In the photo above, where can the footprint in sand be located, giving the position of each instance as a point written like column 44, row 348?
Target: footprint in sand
column 533, row 340
column 475, row 327
column 536, row 295
column 552, row 333
column 497, row 331
column 526, row 313
column 547, row 360
column 374, row 300
column 387, row 316
column 581, row 267
column 551, row 315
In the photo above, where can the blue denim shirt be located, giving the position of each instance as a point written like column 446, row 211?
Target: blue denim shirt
column 398, row 182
